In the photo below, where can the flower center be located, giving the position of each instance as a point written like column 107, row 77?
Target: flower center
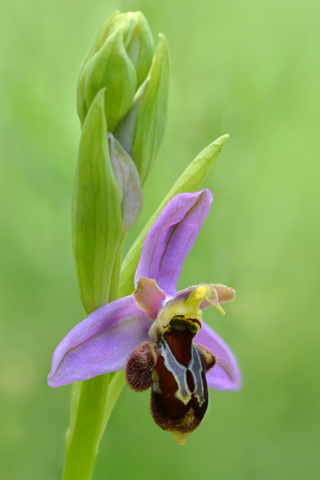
column 180, row 323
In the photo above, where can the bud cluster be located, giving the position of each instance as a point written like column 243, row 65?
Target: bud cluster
column 122, row 60
column 122, row 97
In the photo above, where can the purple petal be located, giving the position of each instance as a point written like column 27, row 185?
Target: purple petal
column 171, row 238
column 225, row 375
column 99, row 344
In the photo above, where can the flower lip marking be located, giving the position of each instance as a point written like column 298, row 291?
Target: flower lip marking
column 179, row 393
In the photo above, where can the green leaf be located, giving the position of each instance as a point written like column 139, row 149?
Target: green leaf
column 96, row 210
column 189, row 181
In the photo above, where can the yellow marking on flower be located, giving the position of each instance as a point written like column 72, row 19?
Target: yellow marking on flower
column 156, row 384
column 194, row 300
column 181, row 438
column 184, row 399
column 201, row 291
column 204, row 292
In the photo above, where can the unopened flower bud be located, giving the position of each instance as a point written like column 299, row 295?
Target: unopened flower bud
column 119, row 61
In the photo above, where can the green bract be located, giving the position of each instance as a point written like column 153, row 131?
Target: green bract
column 142, row 130
column 96, row 210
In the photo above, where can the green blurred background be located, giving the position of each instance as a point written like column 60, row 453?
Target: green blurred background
column 247, row 68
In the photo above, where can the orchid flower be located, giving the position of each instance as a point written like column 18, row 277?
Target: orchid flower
column 157, row 334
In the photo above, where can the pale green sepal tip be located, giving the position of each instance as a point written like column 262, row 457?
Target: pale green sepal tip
column 137, row 39
column 189, row 181
column 127, row 176
column 97, row 44
column 96, row 210
column 138, row 43
column 111, row 68
column 108, row 27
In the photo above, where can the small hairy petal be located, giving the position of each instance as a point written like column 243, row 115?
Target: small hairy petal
column 140, row 366
column 225, row 375
column 149, row 297
column 171, row 238
column 225, row 294
column 99, row 344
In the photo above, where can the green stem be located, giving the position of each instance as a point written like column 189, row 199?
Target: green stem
column 116, row 384
column 91, row 406
column 115, row 278
column 88, row 406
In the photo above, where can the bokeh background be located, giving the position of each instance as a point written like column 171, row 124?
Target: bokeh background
column 247, row 68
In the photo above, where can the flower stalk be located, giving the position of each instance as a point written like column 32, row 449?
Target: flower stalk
column 87, row 412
